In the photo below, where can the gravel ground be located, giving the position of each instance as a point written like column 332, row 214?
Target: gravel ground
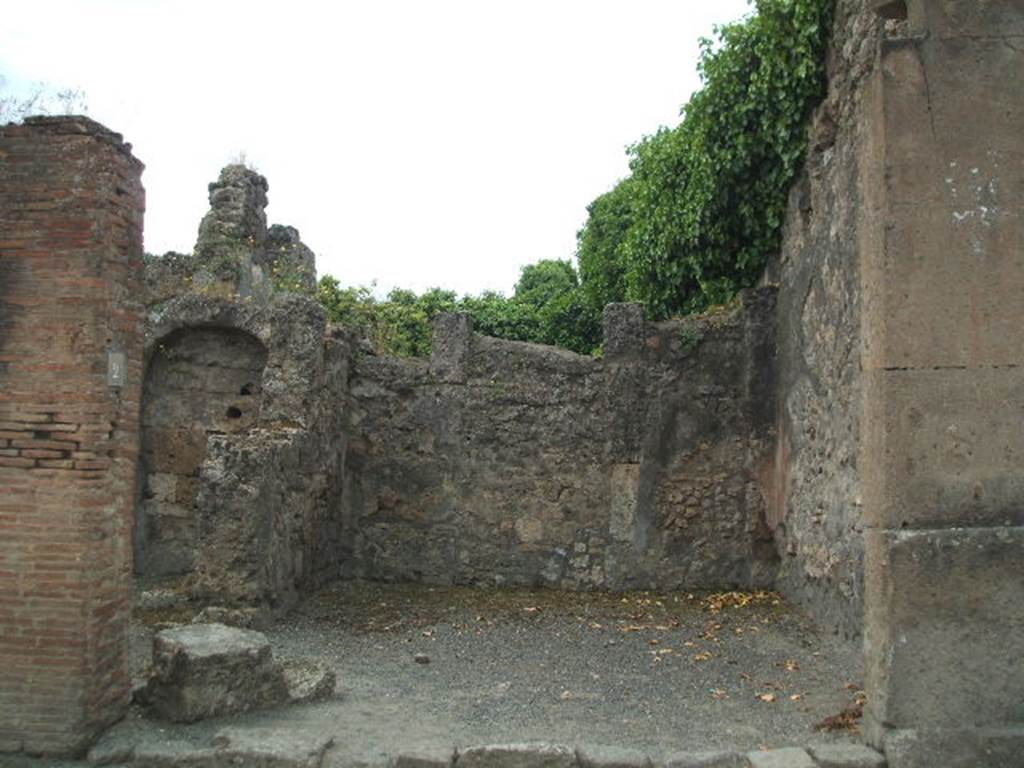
column 656, row 672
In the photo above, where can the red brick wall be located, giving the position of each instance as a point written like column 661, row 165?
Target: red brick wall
column 71, row 206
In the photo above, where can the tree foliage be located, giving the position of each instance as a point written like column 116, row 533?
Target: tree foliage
column 703, row 208
column 696, row 220
column 547, row 308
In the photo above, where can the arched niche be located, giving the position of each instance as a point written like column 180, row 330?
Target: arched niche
column 199, row 381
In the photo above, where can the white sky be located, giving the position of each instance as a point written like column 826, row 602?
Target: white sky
column 439, row 142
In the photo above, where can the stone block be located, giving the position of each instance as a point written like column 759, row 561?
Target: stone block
column 436, row 757
column 944, row 288
column 203, row 670
column 846, row 756
column 538, row 755
column 789, row 757
column 308, row 681
column 955, row 748
column 955, row 18
column 706, row 760
column 450, row 346
column 943, row 447
column 623, row 330
column 944, row 629
column 625, row 488
column 266, row 748
column 596, row 756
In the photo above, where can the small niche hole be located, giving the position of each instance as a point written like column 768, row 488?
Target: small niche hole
column 247, row 389
column 234, row 413
column 894, row 9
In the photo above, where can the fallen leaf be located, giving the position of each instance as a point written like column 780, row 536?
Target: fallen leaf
column 792, row 665
column 796, row 697
column 768, row 697
column 718, row 694
column 703, row 656
column 847, row 720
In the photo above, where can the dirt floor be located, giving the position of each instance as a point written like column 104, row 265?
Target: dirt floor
column 431, row 666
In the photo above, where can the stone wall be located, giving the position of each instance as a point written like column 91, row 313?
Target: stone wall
column 502, row 462
column 70, row 377
column 816, row 506
column 243, row 446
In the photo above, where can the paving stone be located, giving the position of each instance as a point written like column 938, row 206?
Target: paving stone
column 534, row 755
column 596, row 756
column 174, row 754
column 846, row 756
column 706, row 760
column 271, row 748
column 790, row 757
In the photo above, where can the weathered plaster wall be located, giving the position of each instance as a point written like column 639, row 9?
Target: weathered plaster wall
column 71, row 208
column 509, row 463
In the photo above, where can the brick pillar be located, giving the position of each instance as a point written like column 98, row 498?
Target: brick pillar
column 943, row 445
column 71, row 206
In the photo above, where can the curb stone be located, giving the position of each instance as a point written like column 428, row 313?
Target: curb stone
column 706, row 760
column 846, row 756
column 596, row 756
column 789, row 757
column 532, row 755
column 438, row 757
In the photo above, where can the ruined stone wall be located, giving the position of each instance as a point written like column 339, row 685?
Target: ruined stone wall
column 816, row 506
column 243, row 446
column 508, row 463
column 71, row 209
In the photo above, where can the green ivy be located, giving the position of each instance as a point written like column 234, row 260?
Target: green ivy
column 703, row 208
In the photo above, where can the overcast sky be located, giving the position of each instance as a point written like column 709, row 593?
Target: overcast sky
column 418, row 144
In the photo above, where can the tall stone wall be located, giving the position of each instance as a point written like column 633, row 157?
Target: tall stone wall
column 508, row 463
column 816, row 509
column 71, row 207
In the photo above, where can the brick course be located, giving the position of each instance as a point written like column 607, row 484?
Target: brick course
column 71, row 206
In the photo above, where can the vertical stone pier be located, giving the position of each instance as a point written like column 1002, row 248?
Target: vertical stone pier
column 71, row 207
column 942, row 280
